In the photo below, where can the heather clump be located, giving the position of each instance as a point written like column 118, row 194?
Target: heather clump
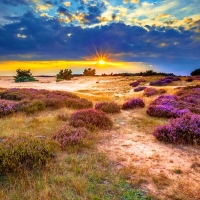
column 166, row 106
column 185, row 101
column 133, row 103
column 108, row 107
column 138, row 89
column 18, row 153
column 150, row 91
column 183, row 130
column 90, row 118
column 68, row 136
column 164, row 81
column 33, row 100
column 7, row 107
column 135, row 83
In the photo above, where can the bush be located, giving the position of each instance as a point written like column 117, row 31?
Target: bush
column 196, row 72
column 133, row 103
column 135, row 83
column 34, row 107
column 90, row 118
column 71, row 136
column 65, row 74
column 7, row 107
column 150, row 92
column 24, row 76
column 186, row 100
column 18, row 153
column 89, row 72
column 138, row 89
column 183, row 130
column 164, row 81
column 33, row 100
column 108, row 107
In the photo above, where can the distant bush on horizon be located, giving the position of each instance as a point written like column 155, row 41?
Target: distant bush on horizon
column 196, row 72
column 64, row 74
column 24, row 76
column 89, row 72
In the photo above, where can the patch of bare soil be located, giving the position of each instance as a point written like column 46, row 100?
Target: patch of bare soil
column 164, row 170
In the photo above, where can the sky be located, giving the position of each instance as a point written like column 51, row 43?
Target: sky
column 133, row 35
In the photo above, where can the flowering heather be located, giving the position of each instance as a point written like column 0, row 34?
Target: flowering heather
column 90, row 118
column 164, row 81
column 108, row 107
column 33, row 100
column 150, row 92
column 24, row 152
column 138, row 89
column 133, row 103
column 7, row 107
column 135, row 83
column 183, row 130
column 71, row 136
column 185, row 101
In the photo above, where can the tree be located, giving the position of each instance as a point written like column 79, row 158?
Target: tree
column 24, row 76
column 89, row 72
column 196, row 72
column 65, row 74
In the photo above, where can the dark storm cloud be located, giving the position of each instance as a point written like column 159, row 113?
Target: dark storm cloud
column 50, row 39
column 14, row 2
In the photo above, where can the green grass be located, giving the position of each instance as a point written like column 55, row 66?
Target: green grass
column 77, row 173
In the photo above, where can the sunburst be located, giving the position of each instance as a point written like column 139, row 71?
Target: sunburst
column 100, row 57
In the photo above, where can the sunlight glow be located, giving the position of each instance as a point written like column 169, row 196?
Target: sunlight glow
column 101, row 62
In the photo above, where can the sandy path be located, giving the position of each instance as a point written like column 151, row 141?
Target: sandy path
column 164, row 170
column 49, row 83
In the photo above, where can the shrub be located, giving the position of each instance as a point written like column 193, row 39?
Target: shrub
column 108, row 107
column 24, row 76
column 18, row 153
column 89, row 72
column 71, row 136
column 65, row 74
column 7, row 107
column 183, row 130
column 164, row 81
column 78, row 103
column 142, row 80
column 135, row 83
column 33, row 100
column 189, row 79
column 138, row 89
column 133, row 103
column 90, row 118
column 150, row 92
column 185, row 101
column 34, row 107
column 161, row 91
column 196, row 72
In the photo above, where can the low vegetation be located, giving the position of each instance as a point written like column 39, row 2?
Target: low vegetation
column 90, row 118
column 33, row 100
column 19, row 153
column 108, row 107
column 133, row 103
column 67, row 136
column 183, row 130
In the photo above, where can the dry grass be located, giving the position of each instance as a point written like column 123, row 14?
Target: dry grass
column 129, row 151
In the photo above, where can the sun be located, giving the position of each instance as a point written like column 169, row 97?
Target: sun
column 101, row 62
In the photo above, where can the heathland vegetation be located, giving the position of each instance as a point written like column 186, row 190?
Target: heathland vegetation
column 123, row 139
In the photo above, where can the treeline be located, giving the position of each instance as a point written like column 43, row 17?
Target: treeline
column 147, row 73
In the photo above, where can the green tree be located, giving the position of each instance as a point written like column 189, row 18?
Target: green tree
column 65, row 74
column 89, row 72
column 24, row 76
column 196, row 72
